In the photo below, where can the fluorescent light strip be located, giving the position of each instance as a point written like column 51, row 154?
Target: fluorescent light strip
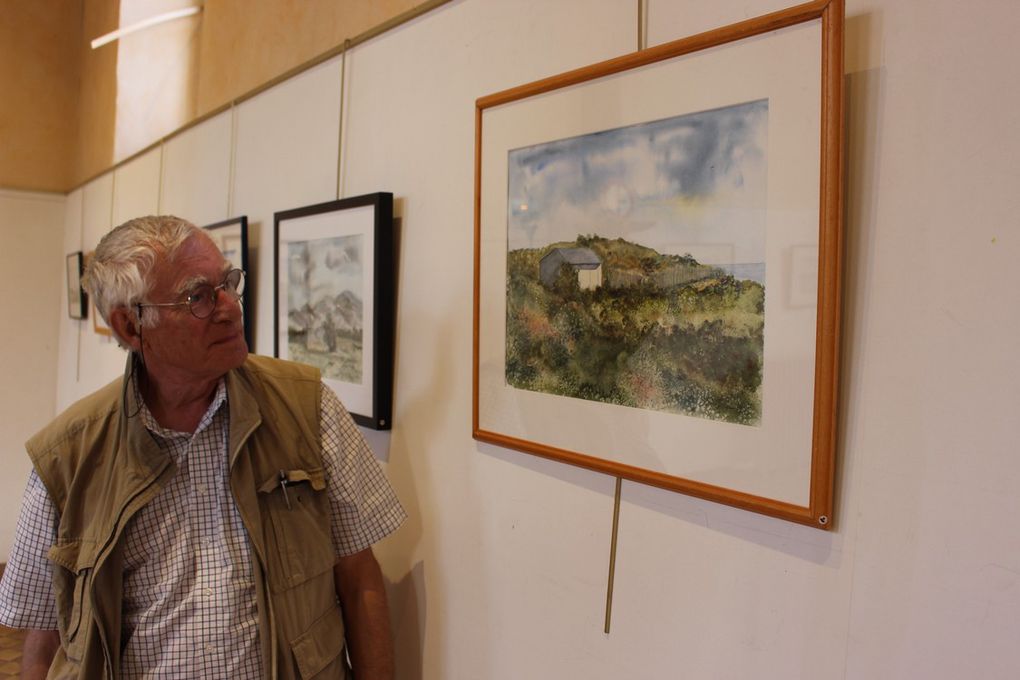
column 146, row 23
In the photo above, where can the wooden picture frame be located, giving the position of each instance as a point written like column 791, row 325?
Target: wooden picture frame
column 99, row 326
column 231, row 237
column 334, row 298
column 624, row 214
column 77, row 298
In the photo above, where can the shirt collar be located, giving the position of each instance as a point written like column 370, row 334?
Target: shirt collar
column 155, row 428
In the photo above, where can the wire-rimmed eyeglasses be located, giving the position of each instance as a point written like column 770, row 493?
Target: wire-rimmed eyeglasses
column 202, row 299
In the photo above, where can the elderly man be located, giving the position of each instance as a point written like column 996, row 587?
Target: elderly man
column 210, row 515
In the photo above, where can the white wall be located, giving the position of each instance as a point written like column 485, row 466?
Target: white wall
column 501, row 570
column 33, row 304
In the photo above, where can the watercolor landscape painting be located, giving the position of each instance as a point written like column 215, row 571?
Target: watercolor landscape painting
column 325, row 320
column 636, row 265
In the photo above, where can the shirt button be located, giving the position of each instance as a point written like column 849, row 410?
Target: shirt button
column 209, row 592
column 201, row 488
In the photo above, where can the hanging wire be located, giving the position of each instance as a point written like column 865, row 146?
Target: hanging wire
column 642, row 24
column 612, row 554
column 113, row 201
column 92, row 303
column 642, row 31
column 340, row 131
column 162, row 176
column 231, row 177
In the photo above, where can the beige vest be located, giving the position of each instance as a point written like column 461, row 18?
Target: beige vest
column 101, row 467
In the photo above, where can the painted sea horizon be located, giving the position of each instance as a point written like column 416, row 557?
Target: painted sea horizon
column 751, row 271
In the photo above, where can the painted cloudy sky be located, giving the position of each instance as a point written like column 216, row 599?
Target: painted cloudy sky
column 323, row 268
column 689, row 184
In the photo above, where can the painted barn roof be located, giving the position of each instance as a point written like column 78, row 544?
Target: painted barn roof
column 578, row 257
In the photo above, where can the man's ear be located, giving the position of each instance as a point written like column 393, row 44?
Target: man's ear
column 124, row 324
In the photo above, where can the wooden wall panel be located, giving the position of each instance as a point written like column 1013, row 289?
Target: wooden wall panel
column 39, row 89
column 96, row 130
column 246, row 44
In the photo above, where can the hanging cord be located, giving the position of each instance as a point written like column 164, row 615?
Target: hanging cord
column 91, row 301
column 612, row 554
column 162, row 176
column 340, row 131
column 113, row 201
column 232, row 171
column 642, row 24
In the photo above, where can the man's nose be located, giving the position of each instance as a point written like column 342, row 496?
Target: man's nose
column 227, row 305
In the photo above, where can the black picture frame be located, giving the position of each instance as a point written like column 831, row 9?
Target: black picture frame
column 334, row 300
column 231, row 237
column 77, row 298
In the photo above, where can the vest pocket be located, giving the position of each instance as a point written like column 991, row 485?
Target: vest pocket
column 298, row 541
column 72, row 577
column 321, row 646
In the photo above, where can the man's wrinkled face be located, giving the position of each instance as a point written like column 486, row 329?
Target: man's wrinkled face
column 181, row 347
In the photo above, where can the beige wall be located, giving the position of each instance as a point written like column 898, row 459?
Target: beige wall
column 39, row 90
column 32, row 277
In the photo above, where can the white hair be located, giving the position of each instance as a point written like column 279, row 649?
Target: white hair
column 118, row 273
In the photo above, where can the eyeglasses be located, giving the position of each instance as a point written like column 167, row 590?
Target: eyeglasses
column 202, row 299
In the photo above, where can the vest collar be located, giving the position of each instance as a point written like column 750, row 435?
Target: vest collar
column 245, row 414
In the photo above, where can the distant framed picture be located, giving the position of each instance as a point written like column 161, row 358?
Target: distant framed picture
column 231, row 237
column 334, row 302
column 77, row 299
column 99, row 326
column 658, row 256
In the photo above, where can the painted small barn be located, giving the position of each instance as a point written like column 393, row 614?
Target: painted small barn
column 584, row 261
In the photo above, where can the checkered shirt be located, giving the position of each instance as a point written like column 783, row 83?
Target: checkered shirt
column 189, row 607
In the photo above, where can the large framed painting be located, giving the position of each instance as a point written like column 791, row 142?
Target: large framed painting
column 658, row 243
column 231, row 237
column 77, row 299
column 335, row 299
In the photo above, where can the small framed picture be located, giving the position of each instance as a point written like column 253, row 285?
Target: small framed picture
column 231, row 237
column 335, row 299
column 99, row 326
column 77, row 300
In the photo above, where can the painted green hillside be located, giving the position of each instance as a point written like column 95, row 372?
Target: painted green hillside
column 634, row 327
